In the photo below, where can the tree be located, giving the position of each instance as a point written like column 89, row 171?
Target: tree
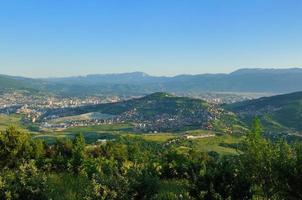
column 15, row 147
column 223, row 179
column 288, row 168
column 144, row 183
column 257, row 160
column 25, row 182
column 60, row 154
column 78, row 154
column 38, row 152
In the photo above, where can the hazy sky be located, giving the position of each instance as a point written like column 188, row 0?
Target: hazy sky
column 161, row 37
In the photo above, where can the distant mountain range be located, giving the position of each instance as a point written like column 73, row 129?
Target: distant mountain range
column 138, row 83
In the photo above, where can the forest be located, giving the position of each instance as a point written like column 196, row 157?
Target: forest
column 133, row 168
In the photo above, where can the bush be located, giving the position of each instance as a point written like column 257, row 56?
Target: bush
column 24, row 183
column 15, row 147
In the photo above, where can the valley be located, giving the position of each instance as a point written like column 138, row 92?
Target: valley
column 163, row 143
column 157, row 113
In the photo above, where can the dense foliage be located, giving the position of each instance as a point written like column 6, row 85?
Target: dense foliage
column 132, row 168
column 280, row 113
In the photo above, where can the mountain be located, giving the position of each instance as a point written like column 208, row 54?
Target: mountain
column 159, row 111
column 135, row 83
column 243, row 80
column 138, row 83
column 74, row 86
column 281, row 112
column 20, row 83
column 122, row 78
column 266, row 71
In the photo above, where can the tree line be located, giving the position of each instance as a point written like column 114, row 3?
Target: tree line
column 132, row 168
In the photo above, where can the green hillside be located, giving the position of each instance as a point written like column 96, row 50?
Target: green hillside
column 281, row 112
column 155, row 104
column 162, row 111
column 150, row 105
column 20, row 83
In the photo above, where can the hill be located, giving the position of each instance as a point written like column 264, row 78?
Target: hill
column 281, row 112
column 19, row 83
column 158, row 112
column 74, row 86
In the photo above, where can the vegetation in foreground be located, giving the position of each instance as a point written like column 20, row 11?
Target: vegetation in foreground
column 136, row 168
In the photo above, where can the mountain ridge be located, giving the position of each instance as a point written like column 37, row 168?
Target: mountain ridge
column 138, row 83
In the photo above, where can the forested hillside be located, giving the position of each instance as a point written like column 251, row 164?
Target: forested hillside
column 134, row 168
column 279, row 112
column 159, row 112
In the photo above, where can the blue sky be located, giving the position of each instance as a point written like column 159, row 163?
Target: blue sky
column 42, row 38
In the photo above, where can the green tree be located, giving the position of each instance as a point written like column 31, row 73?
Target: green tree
column 60, row 154
column 38, row 152
column 257, row 160
column 15, row 147
column 288, row 168
column 25, row 182
column 78, row 154
column 223, row 179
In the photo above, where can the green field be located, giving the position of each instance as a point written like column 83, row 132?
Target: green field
column 158, row 137
column 222, row 144
column 216, row 144
column 111, row 131
column 10, row 120
column 91, row 133
column 90, row 137
column 106, row 127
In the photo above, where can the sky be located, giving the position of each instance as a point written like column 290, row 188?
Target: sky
column 46, row 38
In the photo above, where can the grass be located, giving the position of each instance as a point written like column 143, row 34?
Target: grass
column 67, row 186
column 199, row 132
column 173, row 186
column 90, row 133
column 86, row 116
column 90, row 137
column 223, row 144
column 217, row 144
column 10, row 120
column 214, row 144
column 158, row 137
column 105, row 127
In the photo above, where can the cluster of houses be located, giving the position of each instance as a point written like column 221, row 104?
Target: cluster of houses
column 77, row 123
column 199, row 118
